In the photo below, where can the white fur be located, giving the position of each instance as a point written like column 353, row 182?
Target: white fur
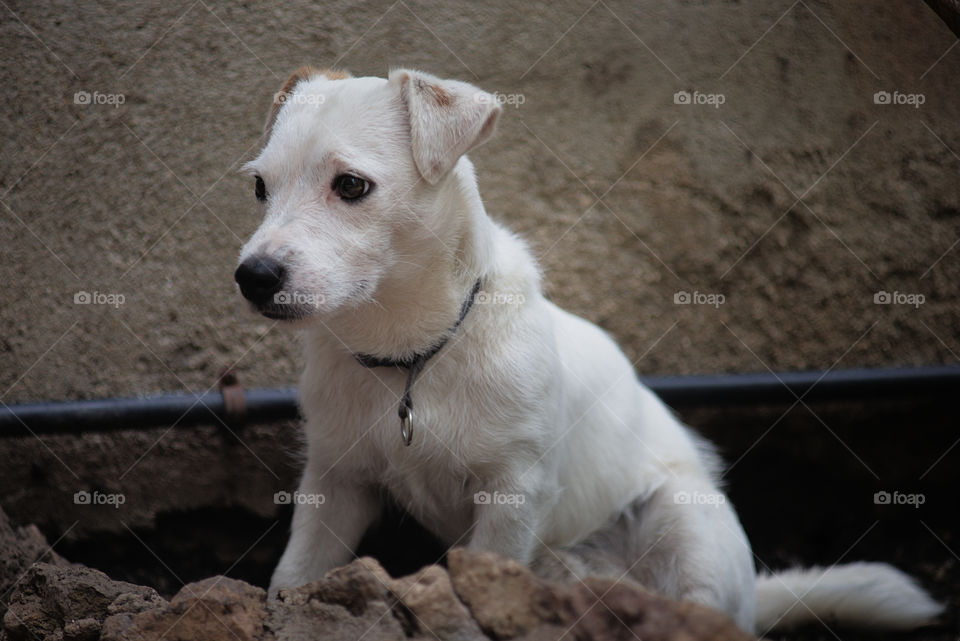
column 871, row 595
column 525, row 400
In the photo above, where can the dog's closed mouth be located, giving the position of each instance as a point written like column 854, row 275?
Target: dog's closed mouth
column 283, row 312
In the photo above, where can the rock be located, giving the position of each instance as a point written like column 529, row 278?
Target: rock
column 433, row 605
column 482, row 596
column 346, row 604
column 506, row 599
column 117, row 626
column 134, row 602
column 20, row 547
column 69, row 603
column 82, row 630
column 361, row 599
column 120, row 613
column 214, row 608
column 509, row 601
column 607, row 609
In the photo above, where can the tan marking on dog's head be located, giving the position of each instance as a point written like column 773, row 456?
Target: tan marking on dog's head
column 305, row 72
column 438, row 94
column 336, row 74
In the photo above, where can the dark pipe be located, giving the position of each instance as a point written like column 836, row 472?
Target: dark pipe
column 263, row 405
column 786, row 387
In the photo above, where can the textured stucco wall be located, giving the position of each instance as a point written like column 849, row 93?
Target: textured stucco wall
column 796, row 199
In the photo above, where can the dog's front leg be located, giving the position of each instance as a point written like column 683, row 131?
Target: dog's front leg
column 329, row 519
column 505, row 519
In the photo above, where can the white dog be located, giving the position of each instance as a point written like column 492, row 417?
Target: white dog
column 522, row 429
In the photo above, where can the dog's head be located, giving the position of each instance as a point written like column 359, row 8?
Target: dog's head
column 352, row 184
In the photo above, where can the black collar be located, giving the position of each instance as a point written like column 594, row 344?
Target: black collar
column 415, row 364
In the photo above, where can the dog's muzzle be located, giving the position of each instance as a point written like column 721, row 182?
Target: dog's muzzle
column 260, row 278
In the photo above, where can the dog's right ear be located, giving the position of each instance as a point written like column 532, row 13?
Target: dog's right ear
column 447, row 119
column 303, row 73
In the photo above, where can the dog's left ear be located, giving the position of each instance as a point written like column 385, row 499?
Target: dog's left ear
column 448, row 118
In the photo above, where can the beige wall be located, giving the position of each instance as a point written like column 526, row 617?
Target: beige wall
column 143, row 199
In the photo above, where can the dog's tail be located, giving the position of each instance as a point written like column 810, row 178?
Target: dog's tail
column 871, row 595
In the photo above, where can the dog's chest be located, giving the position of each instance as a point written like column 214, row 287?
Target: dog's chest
column 436, row 476
column 353, row 419
column 439, row 497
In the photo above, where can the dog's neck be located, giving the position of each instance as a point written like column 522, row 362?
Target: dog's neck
column 410, row 314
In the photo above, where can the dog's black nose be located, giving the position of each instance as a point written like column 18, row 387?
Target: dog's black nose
column 259, row 277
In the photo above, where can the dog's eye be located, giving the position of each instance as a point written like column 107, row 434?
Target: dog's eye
column 260, row 189
column 350, row 187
